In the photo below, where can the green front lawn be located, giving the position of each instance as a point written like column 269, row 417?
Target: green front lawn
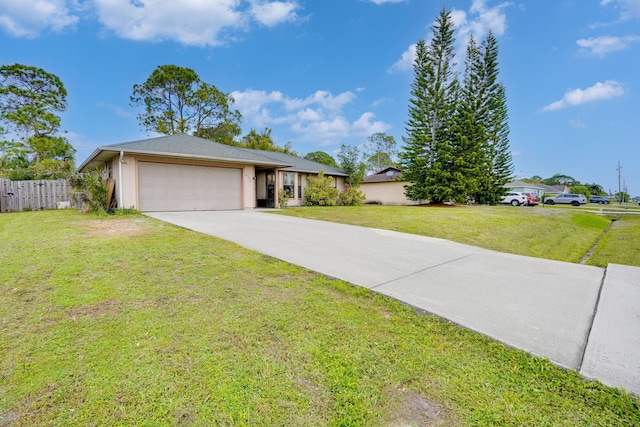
column 129, row 321
column 559, row 233
column 621, row 245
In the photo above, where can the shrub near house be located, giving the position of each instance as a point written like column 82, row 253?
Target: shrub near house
column 320, row 191
column 352, row 196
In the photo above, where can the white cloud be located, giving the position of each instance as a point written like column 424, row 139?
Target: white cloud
column 478, row 21
column 381, row 101
column 322, row 98
column 274, row 13
column 317, row 118
column 600, row 46
column 598, row 92
column 29, row 18
column 196, row 22
column 405, row 62
column 191, row 22
column 629, row 9
column 366, row 126
column 481, row 19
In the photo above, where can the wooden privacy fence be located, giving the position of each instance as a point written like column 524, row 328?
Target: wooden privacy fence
column 16, row 196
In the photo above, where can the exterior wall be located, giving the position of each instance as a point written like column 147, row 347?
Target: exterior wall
column 129, row 181
column 386, row 193
column 130, row 177
column 249, row 198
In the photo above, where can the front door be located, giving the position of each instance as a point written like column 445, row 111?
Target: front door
column 271, row 190
column 266, row 188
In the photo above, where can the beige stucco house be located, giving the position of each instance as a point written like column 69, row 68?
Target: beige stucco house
column 182, row 172
column 385, row 187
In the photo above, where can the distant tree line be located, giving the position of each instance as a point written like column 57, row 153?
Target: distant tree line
column 457, row 145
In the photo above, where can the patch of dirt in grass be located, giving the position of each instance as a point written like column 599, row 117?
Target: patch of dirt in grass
column 385, row 314
column 184, row 416
column 94, row 311
column 113, row 227
column 29, row 408
column 9, row 417
column 416, row 410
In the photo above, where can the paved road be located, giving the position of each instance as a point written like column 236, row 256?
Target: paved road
column 580, row 317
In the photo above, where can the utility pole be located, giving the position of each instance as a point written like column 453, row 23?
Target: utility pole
column 619, row 188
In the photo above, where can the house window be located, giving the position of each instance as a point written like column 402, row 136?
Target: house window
column 299, row 186
column 289, row 184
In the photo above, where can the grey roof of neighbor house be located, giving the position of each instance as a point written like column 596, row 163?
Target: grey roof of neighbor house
column 522, row 184
column 388, row 174
column 546, row 188
column 193, row 147
column 298, row 164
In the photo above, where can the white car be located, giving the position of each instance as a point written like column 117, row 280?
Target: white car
column 514, row 199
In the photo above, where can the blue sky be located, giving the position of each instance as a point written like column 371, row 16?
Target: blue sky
column 322, row 73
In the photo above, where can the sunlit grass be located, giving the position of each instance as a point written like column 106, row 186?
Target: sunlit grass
column 129, row 321
column 562, row 234
column 621, row 245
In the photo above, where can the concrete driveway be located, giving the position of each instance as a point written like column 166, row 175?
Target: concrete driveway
column 580, row 317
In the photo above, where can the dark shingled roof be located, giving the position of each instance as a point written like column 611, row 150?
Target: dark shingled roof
column 192, row 147
column 388, row 174
column 298, row 164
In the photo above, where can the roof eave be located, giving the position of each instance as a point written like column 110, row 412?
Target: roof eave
column 303, row 170
column 101, row 150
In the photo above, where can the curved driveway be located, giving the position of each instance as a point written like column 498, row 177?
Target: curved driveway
column 580, row 317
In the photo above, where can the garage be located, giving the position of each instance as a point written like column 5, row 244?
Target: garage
column 175, row 187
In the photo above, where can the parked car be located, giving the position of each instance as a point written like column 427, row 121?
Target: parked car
column 599, row 199
column 514, row 199
column 572, row 199
column 532, row 199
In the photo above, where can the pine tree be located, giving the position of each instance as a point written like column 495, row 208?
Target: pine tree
column 470, row 138
column 498, row 162
column 428, row 155
column 416, row 156
column 457, row 144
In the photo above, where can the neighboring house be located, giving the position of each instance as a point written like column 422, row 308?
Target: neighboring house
column 182, row 172
column 527, row 187
column 385, row 187
column 554, row 190
column 537, row 188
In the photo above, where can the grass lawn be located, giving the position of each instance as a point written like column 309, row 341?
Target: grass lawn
column 559, row 233
column 621, row 245
column 129, row 321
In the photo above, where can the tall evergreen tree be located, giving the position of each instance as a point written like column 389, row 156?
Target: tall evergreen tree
column 428, row 153
column 470, row 139
column 416, row 156
column 498, row 163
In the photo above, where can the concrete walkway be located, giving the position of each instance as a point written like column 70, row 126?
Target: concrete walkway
column 580, row 317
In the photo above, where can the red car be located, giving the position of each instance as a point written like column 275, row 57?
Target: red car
column 532, row 199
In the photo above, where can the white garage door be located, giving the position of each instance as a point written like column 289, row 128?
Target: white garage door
column 168, row 187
